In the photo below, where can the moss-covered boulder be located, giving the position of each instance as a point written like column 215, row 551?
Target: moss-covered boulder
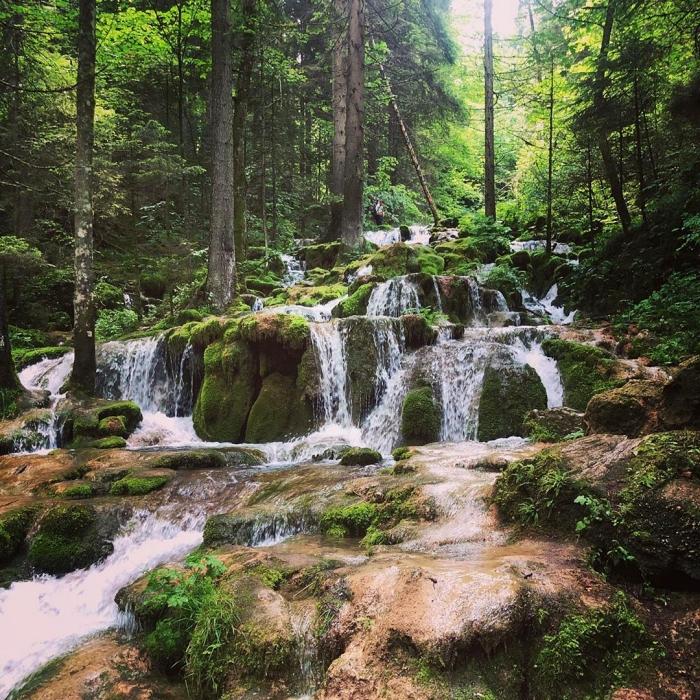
column 632, row 409
column 553, row 424
column 228, row 391
column 323, row 255
column 304, row 295
column 14, row 526
column 127, row 410
column 23, row 357
column 67, row 538
column 637, row 501
column 508, row 394
column 398, row 259
column 681, row 396
column 138, row 484
column 281, row 410
column 356, row 303
column 112, row 425
column 417, row 331
column 421, row 417
column 585, row 370
column 360, row 456
column 191, row 459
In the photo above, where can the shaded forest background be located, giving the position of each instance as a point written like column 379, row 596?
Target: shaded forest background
column 557, row 93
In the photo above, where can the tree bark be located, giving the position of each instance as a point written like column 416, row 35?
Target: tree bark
column 599, row 108
column 354, row 127
column 339, row 107
column 221, row 280
column 489, row 146
column 84, row 364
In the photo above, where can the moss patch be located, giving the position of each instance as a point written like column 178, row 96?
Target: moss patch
column 128, row 410
column 356, row 303
column 360, row 456
column 137, row 485
column 191, row 459
column 421, row 417
column 585, row 370
column 23, row 357
column 14, row 526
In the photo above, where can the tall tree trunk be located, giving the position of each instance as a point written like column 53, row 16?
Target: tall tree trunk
column 599, row 107
column 84, row 364
column 489, row 146
column 273, row 160
column 589, row 187
column 339, row 106
column 550, row 154
column 639, row 151
column 354, row 126
column 245, row 41
column 8, row 375
column 221, row 280
column 409, row 147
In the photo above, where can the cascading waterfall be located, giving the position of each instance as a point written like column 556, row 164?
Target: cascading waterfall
column 294, row 270
column 329, row 347
column 393, row 298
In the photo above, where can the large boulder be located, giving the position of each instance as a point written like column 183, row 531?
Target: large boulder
column 681, row 396
column 553, row 424
column 421, row 417
column 508, row 394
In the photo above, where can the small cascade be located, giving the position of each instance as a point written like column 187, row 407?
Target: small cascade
column 546, row 367
column 547, row 308
column 390, row 344
column 393, row 298
column 47, row 375
column 303, row 619
column 318, row 313
column 438, row 295
column 329, row 347
column 418, row 234
column 294, row 270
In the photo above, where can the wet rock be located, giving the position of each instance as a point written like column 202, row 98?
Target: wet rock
column 508, row 393
column 421, row 417
column 323, row 255
column 553, row 424
column 360, row 456
column 633, row 409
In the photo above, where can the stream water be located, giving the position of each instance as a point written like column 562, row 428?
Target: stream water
column 48, row 616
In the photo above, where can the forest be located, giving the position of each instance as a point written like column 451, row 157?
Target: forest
column 350, row 349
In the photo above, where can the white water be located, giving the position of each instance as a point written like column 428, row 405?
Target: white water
column 329, row 346
column 419, row 235
column 294, row 270
column 546, row 307
column 557, row 248
column 48, row 616
column 393, row 298
column 319, row 313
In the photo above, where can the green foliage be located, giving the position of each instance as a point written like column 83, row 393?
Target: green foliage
column 671, row 318
column 14, row 526
column 137, row 485
column 400, row 203
column 599, row 650
column 507, row 280
column 112, row 323
column 8, row 403
column 107, row 296
column 401, row 453
column 353, row 520
column 78, row 491
column 360, row 456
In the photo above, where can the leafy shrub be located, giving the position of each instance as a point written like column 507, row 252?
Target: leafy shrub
column 400, row 203
column 671, row 316
column 111, row 323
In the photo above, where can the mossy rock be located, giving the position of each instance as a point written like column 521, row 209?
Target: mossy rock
column 23, row 357
column 356, row 303
column 129, row 410
column 399, row 259
column 323, row 255
column 228, row 391
column 631, row 409
column 421, row 417
column 14, row 526
column 138, row 485
column 553, row 424
column 585, row 370
column 190, row 459
column 417, row 331
column 113, row 425
column 67, row 538
column 360, row 456
column 106, row 443
column 312, row 296
column 280, row 411
column 285, row 331
column 507, row 395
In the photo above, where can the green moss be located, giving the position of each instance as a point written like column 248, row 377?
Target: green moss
column 23, row 357
column 401, row 453
column 429, row 262
column 270, row 576
column 585, row 370
column 129, row 410
column 507, row 395
column 8, row 410
column 323, row 255
column 14, row 526
column 36, row 681
column 78, row 491
column 279, row 411
column 86, row 425
column 66, row 540
column 421, row 417
column 594, row 652
column 353, row 520
column 137, row 485
column 374, row 536
column 228, row 390
column 191, row 459
column 356, row 303
column 360, row 456
column 311, row 296
column 284, row 330
column 532, row 491
column 113, row 425
column 105, row 443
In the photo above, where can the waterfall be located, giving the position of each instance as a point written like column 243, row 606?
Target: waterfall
column 294, row 270
column 329, row 347
column 532, row 354
column 547, row 308
column 393, row 298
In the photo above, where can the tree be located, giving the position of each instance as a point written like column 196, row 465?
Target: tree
column 84, row 364
column 354, row 126
column 489, row 147
column 222, row 259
